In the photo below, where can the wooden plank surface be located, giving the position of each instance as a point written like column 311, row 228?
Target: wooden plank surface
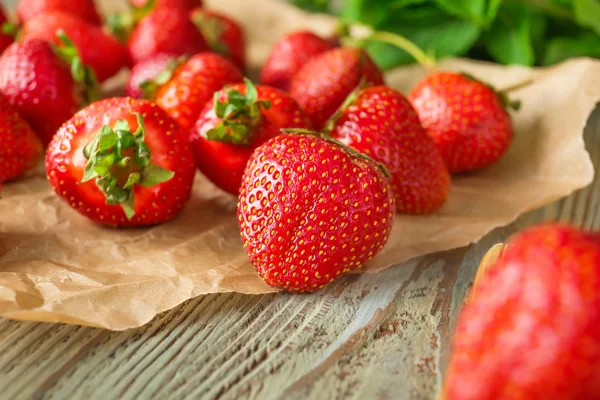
column 367, row 336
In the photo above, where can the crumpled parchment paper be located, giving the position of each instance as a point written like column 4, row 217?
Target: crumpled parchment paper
column 57, row 266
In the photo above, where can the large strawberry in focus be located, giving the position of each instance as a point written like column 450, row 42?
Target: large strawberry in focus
column 466, row 119
column 381, row 123
column 99, row 50
column 82, row 9
column 310, row 210
column 531, row 327
column 46, row 83
column 122, row 162
column 325, row 81
column 241, row 118
column 288, row 55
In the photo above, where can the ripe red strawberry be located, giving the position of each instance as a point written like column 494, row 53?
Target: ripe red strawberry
column 83, row 9
column 192, row 85
column 242, row 118
column 289, row 54
column 224, row 35
column 531, row 328
column 466, row 119
column 310, row 210
column 99, row 50
column 325, row 81
column 147, row 71
column 5, row 39
column 381, row 123
column 184, row 5
column 45, row 83
column 20, row 148
column 165, row 30
column 122, row 162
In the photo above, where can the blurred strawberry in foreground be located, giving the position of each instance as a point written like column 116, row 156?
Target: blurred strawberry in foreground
column 242, row 118
column 310, row 210
column 466, row 119
column 223, row 35
column 184, row 91
column 381, row 123
column 289, row 54
column 165, row 30
column 122, row 162
column 147, row 71
column 20, row 148
column 99, row 50
column 83, row 9
column 46, row 83
column 183, row 5
column 531, row 328
column 325, row 81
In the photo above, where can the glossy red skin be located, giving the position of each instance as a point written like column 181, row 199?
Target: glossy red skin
column 179, row 4
column 20, row 148
column 102, row 52
column 5, row 40
column 145, row 71
column 65, row 163
column 232, row 36
column 309, row 211
column 289, row 54
column 38, row 85
column 224, row 163
column 531, row 328
column 467, row 121
column 165, row 30
column 193, row 85
column 325, row 81
column 382, row 124
column 83, row 9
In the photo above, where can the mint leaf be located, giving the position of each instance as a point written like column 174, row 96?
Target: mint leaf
column 509, row 39
column 561, row 48
column 587, row 14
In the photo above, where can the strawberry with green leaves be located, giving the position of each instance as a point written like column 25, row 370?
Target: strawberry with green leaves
column 122, row 162
column 381, row 123
column 82, row 9
column 241, row 118
column 150, row 72
column 531, row 327
column 466, row 118
column 20, row 148
column 46, row 83
column 311, row 209
column 322, row 84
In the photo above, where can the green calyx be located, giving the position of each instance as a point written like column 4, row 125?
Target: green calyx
column 119, row 159
column 121, row 25
column 239, row 115
column 10, row 29
column 348, row 149
column 212, row 30
column 150, row 87
column 84, row 76
column 502, row 95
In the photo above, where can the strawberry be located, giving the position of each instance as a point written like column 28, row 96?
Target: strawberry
column 531, row 328
column 99, row 50
column 241, row 118
column 20, row 148
column 310, row 209
column 325, row 81
column 185, row 92
column 466, row 119
column 5, row 38
column 147, row 71
column 381, row 123
column 289, row 54
column 122, row 162
column 45, row 83
column 165, row 30
column 82, row 9
column 184, row 5
column 224, row 35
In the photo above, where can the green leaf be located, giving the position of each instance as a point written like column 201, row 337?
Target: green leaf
column 153, row 175
column 561, row 48
column 369, row 12
column 587, row 14
column 509, row 39
column 128, row 206
column 132, row 180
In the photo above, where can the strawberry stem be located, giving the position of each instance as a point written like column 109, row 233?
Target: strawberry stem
column 121, row 25
column 404, row 44
column 239, row 115
column 150, row 87
column 116, row 153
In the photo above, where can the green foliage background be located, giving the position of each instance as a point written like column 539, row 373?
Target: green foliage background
column 525, row 32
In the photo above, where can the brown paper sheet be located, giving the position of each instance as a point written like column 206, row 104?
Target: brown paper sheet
column 57, row 266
